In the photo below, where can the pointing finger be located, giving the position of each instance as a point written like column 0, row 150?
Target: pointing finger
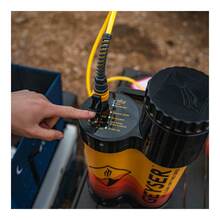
column 71, row 112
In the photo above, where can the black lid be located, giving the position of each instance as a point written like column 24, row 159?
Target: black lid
column 114, row 130
column 177, row 99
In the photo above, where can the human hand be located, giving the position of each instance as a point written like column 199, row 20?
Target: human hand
column 34, row 116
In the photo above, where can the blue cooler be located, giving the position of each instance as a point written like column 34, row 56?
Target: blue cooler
column 32, row 156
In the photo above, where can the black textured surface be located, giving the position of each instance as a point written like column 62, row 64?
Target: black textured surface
column 104, row 133
column 178, row 99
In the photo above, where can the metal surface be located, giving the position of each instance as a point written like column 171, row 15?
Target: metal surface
column 49, row 188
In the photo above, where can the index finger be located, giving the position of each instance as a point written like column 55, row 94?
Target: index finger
column 70, row 112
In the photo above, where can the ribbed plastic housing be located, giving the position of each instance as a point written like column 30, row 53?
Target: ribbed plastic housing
column 175, row 116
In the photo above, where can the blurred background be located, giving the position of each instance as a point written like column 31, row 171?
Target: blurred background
column 145, row 41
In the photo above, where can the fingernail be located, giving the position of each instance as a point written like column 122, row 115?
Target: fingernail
column 60, row 136
column 92, row 114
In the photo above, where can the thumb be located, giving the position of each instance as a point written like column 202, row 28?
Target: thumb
column 71, row 112
column 47, row 134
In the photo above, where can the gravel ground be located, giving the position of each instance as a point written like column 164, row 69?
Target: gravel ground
column 147, row 41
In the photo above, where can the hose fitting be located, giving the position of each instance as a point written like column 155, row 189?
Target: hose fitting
column 101, row 92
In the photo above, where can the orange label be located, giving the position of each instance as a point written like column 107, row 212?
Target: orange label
column 130, row 172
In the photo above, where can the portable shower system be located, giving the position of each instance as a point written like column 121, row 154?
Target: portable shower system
column 140, row 149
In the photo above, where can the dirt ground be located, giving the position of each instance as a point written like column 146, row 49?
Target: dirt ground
column 147, row 41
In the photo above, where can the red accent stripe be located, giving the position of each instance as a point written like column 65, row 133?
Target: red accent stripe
column 127, row 185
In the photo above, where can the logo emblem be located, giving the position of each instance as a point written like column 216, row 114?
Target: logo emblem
column 109, row 175
column 18, row 170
